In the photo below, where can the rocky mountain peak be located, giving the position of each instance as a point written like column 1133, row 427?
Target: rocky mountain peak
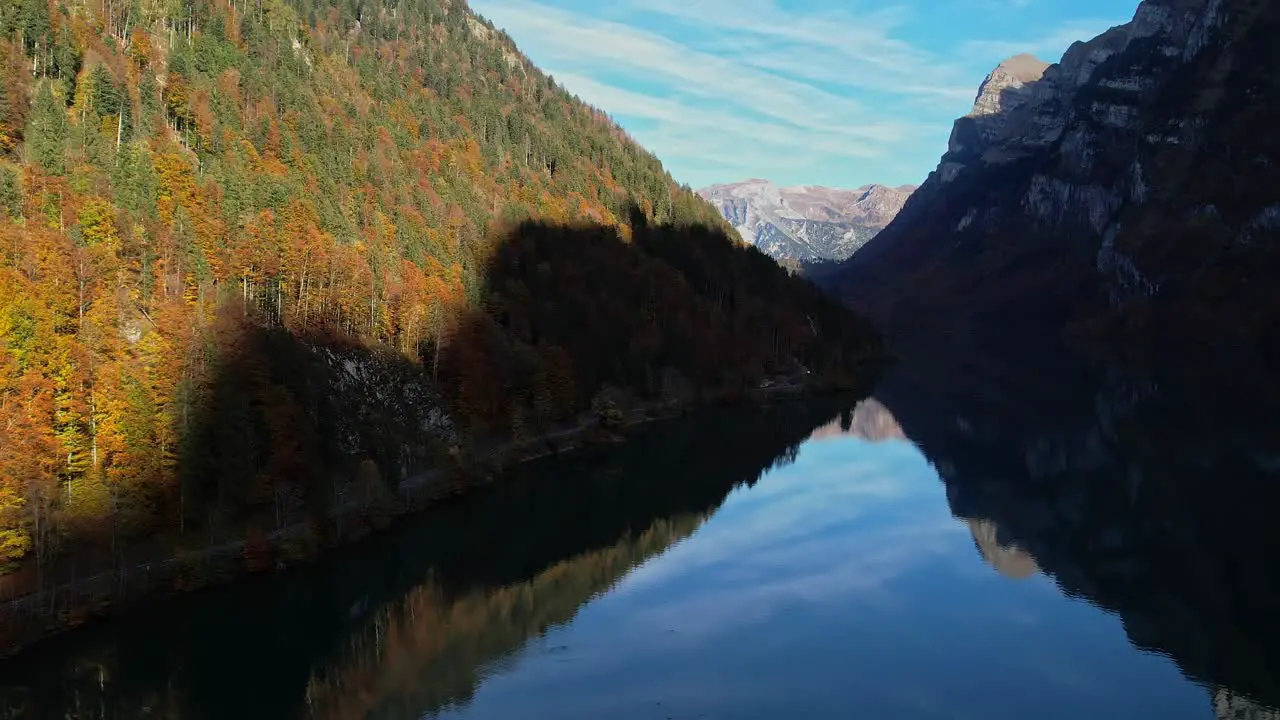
column 1137, row 172
column 1002, row 83
column 1023, row 66
column 1009, row 87
column 1002, row 87
column 806, row 222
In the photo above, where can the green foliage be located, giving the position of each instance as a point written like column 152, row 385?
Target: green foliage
column 6, row 106
column 66, row 59
column 373, row 174
column 149, row 100
column 33, row 21
column 135, row 182
column 105, row 96
column 47, row 131
column 10, row 194
column 605, row 408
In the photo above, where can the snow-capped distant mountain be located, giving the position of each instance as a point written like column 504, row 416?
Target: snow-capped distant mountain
column 806, row 222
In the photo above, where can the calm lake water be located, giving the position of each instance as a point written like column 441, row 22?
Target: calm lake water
column 944, row 550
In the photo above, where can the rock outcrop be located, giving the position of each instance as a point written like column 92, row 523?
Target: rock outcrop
column 806, row 223
column 1135, row 180
column 1008, row 88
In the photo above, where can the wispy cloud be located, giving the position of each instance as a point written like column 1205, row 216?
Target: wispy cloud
column 723, row 89
column 1047, row 46
column 569, row 39
column 862, row 53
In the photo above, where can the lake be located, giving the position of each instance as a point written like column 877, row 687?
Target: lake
column 961, row 545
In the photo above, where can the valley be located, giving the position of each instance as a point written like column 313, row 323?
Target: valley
column 354, row 365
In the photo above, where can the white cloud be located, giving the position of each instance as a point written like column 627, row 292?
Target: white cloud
column 1048, row 47
column 566, row 38
column 831, row 47
column 726, row 89
column 620, row 101
column 752, row 97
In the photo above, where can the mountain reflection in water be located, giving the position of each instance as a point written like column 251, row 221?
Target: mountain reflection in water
column 1153, row 497
column 1103, row 541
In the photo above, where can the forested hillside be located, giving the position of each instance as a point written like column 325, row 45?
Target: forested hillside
column 244, row 242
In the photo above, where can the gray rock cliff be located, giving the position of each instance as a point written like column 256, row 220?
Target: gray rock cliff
column 1139, row 171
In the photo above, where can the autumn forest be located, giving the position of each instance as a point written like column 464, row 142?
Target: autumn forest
column 247, row 246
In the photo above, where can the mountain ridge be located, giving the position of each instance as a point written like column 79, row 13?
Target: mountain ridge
column 261, row 263
column 806, row 223
column 1127, row 193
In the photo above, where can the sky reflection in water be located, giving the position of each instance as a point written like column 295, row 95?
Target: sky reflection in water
column 838, row 586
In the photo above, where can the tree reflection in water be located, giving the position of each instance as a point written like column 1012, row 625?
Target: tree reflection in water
column 411, row 621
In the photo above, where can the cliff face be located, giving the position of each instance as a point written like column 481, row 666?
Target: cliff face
column 1134, row 179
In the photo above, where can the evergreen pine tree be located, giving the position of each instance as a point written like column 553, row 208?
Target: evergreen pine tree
column 6, row 118
column 10, row 194
column 33, row 21
column 105, row 95
column 66, row 59
column 47, row 131
column 9, row 19
column 149, row 99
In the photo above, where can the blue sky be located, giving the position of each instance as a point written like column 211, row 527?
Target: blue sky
column 820, row 92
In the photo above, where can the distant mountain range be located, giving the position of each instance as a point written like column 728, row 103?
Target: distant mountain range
column 806, row 223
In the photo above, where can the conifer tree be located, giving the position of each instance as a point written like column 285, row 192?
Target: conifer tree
column 105, row 95
column 47, row 131
column 6, row 117
column 293, row 175
column 66, row 59
column 33, row 21
column 10, row 194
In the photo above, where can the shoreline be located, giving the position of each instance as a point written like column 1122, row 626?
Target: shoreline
column 28, row 620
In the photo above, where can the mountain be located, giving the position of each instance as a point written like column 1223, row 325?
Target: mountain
column 869, row 420
column 1006, row 558
column 1129, row 191
column 806, row 223
column 262, row 262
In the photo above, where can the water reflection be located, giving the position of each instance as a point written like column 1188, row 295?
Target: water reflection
column 1151, row 498
column 1005, row 556
column 975, row 541
column 413, row 621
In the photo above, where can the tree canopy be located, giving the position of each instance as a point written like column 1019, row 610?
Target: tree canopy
column 178, row 177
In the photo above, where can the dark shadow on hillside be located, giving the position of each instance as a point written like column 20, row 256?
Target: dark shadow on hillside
column 292, row 443
column 335, row 632
column 1151, row 496
column 580, row 316
column 306, row 429
column 297, row 439
column 943, row 269
column 292, row 439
